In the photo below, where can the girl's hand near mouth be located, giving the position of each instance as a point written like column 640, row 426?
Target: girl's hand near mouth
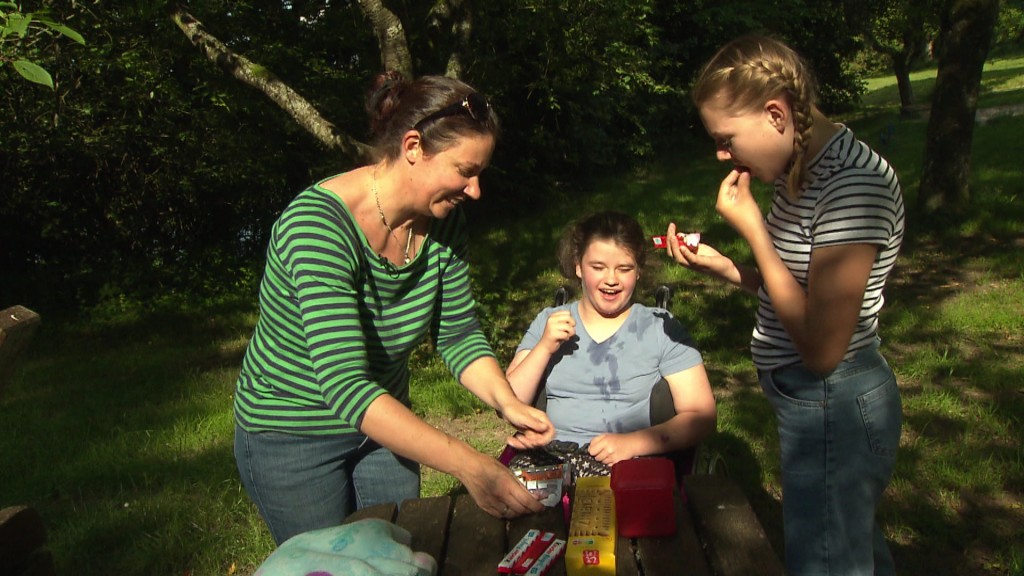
column 737, row 205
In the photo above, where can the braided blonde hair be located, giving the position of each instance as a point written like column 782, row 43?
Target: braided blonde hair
column 753, row 69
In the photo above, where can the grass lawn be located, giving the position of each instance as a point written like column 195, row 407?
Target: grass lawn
column 119, row 428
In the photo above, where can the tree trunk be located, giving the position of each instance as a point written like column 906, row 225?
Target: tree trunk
column 453, row 19
column 461, row 18
column 901, row 69
column 903, row 61
column 394, row 50
column 966, row 33
column 259, row 78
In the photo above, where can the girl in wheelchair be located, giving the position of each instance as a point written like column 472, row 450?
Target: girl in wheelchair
column 592, row 364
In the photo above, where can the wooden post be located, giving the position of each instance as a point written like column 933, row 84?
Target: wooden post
column 17, row 327
column 23, row 543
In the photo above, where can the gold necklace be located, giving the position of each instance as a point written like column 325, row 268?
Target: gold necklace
column 408, row 239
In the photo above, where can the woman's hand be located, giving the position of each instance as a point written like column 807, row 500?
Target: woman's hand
column 737, row 205
column 495, row 490
column 534, row 428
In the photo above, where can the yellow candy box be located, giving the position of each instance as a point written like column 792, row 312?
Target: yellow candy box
column 590, row 547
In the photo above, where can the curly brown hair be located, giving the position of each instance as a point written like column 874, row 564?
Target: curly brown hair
column 618, row 227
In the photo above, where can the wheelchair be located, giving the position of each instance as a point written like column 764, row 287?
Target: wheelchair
column 700, row 459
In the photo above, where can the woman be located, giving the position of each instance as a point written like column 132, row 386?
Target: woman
column 360, row 267
column 822, row 257
column 600, row 357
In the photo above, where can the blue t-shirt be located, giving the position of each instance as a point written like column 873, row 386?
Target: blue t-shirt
column 598, row 387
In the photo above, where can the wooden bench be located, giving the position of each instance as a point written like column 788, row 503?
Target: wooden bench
column 23, row 550
column 17, row 327
column 717, row 534
column 734, row 540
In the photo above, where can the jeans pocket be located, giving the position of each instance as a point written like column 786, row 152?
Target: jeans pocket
column 882, row 412
column 794, row 386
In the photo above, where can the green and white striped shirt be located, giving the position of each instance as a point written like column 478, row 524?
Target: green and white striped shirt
column 337, row 325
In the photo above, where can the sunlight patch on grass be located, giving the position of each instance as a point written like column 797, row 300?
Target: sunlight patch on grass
column 993, row 307
column 435, row 391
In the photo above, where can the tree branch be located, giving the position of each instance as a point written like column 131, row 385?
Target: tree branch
column 304, row 113
column 394, row 50
column 457, row 15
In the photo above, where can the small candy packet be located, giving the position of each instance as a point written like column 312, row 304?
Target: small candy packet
column 548, row 482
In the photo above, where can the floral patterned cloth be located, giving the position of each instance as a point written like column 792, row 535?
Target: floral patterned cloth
column 582, row 464
column 368, row 547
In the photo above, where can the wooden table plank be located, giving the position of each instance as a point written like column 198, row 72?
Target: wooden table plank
column 381, row 511
column 736, row 542
column 476, row 540
column 548, row 520
column 427, row 520
column 717, row 533
column 681, row 552
column 17, row 327
column 626, row 563
column 23, row 548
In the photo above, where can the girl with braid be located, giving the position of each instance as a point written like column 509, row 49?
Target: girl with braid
column 822, row 256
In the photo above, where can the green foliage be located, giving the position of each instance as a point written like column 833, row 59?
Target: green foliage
column 699, row 28
column 149, row 170
column 1010, row 27
column 592, row 87
column 896, row 31
column 19, row 39
column 579, row 79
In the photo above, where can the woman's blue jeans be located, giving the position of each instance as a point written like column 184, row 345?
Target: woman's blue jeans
column 838, row 435
column 301, row 483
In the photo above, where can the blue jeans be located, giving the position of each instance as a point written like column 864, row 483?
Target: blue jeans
column 301, row 483
column 838, row 436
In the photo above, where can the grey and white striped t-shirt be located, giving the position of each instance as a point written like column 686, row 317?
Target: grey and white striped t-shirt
column 851, row 196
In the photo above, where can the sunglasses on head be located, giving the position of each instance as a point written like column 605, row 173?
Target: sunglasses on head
column 474, row 104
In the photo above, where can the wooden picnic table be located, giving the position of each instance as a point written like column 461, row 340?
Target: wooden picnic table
column 717, row 534
column 17, row 327
column 23, row 548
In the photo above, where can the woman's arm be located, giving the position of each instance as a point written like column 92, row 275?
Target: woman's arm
column 696, row 418
column 485, row 380
column 492, row 486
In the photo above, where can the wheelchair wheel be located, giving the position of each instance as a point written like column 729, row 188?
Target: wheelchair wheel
column 707, row 461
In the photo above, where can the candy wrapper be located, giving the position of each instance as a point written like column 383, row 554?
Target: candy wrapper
column 548, row 482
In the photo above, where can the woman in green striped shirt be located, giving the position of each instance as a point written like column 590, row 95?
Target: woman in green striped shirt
column 361, row 267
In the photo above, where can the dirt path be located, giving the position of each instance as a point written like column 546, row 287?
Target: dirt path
column 983, row 115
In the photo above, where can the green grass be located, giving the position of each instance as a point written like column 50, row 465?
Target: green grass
column 118, row 428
